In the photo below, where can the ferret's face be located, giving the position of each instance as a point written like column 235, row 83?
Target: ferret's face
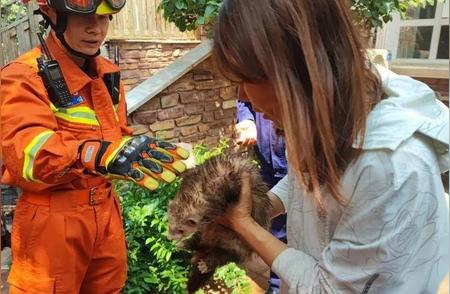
column 182, row 221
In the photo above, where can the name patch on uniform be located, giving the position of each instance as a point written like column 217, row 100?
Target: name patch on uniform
column 76, row 99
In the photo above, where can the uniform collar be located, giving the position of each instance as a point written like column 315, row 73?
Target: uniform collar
column 76, row 78
column 411, row 107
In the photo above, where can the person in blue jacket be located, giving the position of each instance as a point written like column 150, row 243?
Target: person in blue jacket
column 255, row 130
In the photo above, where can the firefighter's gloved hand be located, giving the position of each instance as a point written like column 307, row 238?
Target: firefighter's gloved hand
column 142, row 159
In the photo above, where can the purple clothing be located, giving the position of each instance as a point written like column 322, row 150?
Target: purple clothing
column 270, row 148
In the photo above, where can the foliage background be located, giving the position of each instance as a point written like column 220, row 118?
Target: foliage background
column 10, row 11
column 190, row 14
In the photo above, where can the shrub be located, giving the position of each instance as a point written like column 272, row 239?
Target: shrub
column 190, row 14
column 154, row 263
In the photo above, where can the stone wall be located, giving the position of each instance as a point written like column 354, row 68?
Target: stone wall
column 199, row 107
column 141, row 59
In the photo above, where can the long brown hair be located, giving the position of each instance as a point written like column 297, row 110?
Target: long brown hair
column 310, row 51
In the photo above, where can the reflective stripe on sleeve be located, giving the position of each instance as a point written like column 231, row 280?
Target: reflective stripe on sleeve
column 30, row 152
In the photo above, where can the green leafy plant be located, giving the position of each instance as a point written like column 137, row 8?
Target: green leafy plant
column 154, row 263
column 232, row 277
column 190, row 14
column 373, row 13
column 202, row 152
column 10, row 11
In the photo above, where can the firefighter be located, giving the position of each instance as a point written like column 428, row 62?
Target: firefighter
column 63, row 138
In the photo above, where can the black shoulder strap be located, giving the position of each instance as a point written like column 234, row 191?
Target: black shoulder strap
column 112, row 82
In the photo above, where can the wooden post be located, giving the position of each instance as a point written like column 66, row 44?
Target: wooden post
column 34, row 23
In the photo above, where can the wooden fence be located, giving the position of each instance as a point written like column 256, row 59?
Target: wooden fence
column 18, row 37
column 140, row 20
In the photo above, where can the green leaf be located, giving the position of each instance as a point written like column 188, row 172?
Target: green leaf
column 200, row 20
column 209, row 11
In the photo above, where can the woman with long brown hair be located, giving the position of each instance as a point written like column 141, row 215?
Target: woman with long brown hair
column 366, row 147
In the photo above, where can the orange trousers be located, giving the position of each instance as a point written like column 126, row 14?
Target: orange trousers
column 68, row 242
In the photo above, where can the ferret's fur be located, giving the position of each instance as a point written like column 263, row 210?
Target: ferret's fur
column 206, row 192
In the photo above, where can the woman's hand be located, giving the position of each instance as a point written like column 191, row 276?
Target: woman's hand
column 240, row 213
column 246, row 132
column 238, row 218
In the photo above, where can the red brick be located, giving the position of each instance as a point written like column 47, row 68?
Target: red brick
column 144, row 117
column 190, row 97
column 188, row 120
column 212, row 105
column 170, row 100
column 131, row 74
column 201, row 136
column 168, row 113
column 162, row 125
column 193, row 108
column 139, row 129
column 221, row 123
column 152, row 104
column 186, row 131
column 144, row 65
column 165, row 135
column 126, row 66
column 212, row 84
column 202, row 75
column 149, row 46
column 125, row 46
column 211, row 94
column 229, row 93
column 133, row 54
column 211, row 141
column 216, row 132
column 190, row 138
column 182, row 86
column 208, row 117
column 203, row 128
column 228, row 104
column 221, row 114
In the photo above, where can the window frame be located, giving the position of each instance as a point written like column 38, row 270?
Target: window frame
column 389, row 36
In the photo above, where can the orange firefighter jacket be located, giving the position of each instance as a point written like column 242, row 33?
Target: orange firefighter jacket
column 39, row 142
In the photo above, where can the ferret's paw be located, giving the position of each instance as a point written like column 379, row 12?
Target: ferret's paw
column 202, row 266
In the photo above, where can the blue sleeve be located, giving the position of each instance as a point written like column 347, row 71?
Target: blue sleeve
column 244, row 111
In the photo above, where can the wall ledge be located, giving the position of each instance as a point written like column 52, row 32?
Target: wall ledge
column 154, row 85
column 421, row 70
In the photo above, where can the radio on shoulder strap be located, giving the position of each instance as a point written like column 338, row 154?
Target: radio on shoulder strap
column 53, row 78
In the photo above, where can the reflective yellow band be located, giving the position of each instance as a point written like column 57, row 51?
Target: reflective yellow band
column 30, row 152
column 81, row 114
column 114, row 153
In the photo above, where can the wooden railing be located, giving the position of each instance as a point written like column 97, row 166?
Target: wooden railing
column 140, row 20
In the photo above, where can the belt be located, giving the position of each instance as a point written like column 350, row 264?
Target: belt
column 92, row 196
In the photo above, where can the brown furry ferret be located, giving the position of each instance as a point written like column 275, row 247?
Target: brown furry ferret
column 206, row 192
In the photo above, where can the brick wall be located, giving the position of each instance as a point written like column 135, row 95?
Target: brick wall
column 199, row 107
column 141, row 59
